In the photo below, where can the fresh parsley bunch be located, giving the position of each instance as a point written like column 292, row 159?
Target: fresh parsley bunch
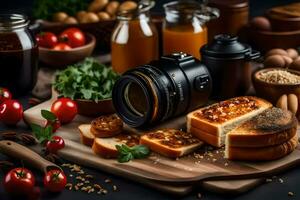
column 88, row 80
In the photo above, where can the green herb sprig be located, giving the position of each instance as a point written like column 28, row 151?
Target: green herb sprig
column 44, row 134
column 127, row 153
column 88, row 80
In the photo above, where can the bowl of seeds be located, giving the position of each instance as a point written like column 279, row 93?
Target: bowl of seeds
column 271, row 83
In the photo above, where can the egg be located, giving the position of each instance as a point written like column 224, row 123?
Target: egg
column 112, row 8
column 60, row 17
column 274, row 61
column 292, row 53
column 103, row 16
column 261, row 23
column 276, row 52
column 295, row 65
column 287, row 60
column 128, row 5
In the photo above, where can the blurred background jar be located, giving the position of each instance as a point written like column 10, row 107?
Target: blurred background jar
column 18, row 54
column 184, row 28
column 134, row 39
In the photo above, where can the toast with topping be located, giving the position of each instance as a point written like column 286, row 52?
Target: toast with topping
column 170, row 142
column 106, row 126
column 272, row 127
column 222, row 117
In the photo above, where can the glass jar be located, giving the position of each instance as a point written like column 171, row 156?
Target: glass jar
column 184, row 28
column 18, row 54
column 134, row 39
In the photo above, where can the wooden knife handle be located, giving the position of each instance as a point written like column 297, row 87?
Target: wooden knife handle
column 23, row 153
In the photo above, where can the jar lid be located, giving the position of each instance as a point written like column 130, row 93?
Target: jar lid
column 226, row 47
column 229, row 4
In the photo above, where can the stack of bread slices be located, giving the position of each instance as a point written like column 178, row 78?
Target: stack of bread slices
column 249, row 127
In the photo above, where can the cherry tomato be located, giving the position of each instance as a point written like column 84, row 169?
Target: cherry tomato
column 65, row 109
column 55, row 180
column 46, row 39
column 62, row 47
column 19, row 181
column 73, row 37
column 56, row 143
column 11, row 112
column 55, row 125
column 4, row 95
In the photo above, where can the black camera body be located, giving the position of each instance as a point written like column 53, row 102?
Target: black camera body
column 165, row 88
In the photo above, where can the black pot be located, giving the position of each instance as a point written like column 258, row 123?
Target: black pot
column 228, row 62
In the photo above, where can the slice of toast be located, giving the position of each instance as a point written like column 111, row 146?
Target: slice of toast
column 106, row 126
column 222, row 117
column 272, row 127
column 263, row 153
column 86, row 137
column 106, row 147
column 170, row 142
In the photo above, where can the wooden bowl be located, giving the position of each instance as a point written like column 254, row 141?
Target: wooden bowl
column 61, row 59
column 272, row 91
column 91, row 108
column 266, row 40
column 284, row 18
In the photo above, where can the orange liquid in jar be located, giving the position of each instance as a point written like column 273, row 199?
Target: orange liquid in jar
column 133, row 44
column 185, row 40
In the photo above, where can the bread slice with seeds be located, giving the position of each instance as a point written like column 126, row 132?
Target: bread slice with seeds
column 171, row 142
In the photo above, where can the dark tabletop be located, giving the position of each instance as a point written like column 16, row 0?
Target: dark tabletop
column 279, row 188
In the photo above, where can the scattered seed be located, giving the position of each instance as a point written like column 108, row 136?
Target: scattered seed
column 97, row 186
column 107, row 181
column 86, row 182
column 199, row 195
column 280, row 180
column 103, row 191
column 89, row 176
column 115, row 188
column 268, row 180
column 291, row 194
column 76, row 187
column 69, row 186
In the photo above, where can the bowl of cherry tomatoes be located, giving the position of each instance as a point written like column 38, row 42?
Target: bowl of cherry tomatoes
column 69, row 47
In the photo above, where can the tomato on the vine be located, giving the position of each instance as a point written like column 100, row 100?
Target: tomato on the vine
column 4, row 95
column 46, row 39
column 73, row 37
column 11, row 112
column 19, row 181
column 55, row 180
column 56, row 143
column 65, row 109
column 62, row 47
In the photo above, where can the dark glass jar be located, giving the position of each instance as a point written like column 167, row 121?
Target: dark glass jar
column 18, row 54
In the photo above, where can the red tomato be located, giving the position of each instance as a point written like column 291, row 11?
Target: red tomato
column 55, row 125
column 65, row 109
column 46, row 39
column 62, row 47
column 11, row 112
column 19, row 181
column 56, row 143
column 73, row 37
column 4, row 95
column 55, row 180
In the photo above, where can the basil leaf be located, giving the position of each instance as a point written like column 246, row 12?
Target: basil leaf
column 125, row 158
column 48, row 115
column 140, row 151
column 127, row 153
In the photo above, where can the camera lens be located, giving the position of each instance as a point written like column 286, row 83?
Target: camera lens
column 162, row 89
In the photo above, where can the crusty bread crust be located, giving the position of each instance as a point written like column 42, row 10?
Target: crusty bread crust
column 104, row 151
column 85, row 137
column 207, row 137
column 106, row 126
column 262, row 154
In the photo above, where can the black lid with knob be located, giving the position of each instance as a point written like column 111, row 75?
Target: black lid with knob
column 228, row 47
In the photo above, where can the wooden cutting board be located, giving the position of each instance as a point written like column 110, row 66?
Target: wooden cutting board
column 207, row 169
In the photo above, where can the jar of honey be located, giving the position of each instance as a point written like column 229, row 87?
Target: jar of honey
column 134, row 39
column 184, row 28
